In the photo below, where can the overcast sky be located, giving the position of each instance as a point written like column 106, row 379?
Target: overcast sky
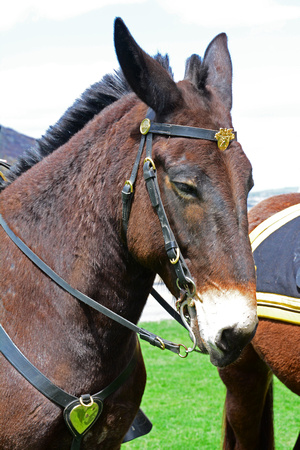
column 51, row 51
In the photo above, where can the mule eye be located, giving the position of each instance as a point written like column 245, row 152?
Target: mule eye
column 185, row 189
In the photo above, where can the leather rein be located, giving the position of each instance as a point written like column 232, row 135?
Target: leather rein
column 93, row 404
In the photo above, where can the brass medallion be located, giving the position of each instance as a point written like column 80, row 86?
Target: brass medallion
column 224, row 136
column 145, row 126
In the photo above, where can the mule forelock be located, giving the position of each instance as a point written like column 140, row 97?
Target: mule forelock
column 196, row 72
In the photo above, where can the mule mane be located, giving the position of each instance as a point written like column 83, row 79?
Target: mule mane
column 93, row 100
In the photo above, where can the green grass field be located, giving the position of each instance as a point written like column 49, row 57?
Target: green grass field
column 184, row 400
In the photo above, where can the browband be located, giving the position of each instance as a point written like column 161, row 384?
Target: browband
column 192, row 132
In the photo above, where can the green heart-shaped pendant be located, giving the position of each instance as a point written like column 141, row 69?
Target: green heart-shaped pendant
column 80, row 416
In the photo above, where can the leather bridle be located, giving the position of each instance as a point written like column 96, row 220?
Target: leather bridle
column 184, row 278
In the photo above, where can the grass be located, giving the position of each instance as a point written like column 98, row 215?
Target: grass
column 184, row 400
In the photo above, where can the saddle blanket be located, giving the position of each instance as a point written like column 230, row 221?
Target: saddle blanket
column 276, row 250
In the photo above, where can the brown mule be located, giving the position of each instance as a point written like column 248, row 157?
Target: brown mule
column 64, row 201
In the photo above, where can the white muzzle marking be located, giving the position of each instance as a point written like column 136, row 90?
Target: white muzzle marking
column 219, row 311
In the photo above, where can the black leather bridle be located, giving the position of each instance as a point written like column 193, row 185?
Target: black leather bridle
column 185, row 282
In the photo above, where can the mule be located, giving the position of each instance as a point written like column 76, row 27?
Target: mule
column 63, row 200
column 273, row 350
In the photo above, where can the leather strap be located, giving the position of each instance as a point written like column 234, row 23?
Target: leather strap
column 44, row 385
column 144, row 334
column 55, row 394
column 167, row 307
column 184, row 277
column 31, row 373
column 128, row 189
column 169, row 129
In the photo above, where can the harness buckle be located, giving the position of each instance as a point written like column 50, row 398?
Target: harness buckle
column 128, row 183
column 176, row 259
column 162, row 344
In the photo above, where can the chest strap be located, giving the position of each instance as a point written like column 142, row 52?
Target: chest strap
column 80, row 414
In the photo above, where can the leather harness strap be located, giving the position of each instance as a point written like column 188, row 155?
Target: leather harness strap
column 144, row 334
column 169, row 129
column 43, row 384
column 69, row 402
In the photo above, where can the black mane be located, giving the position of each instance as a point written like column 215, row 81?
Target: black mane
column 91, row 102
column 101, row 94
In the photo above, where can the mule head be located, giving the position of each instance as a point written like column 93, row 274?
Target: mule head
column 204, row 192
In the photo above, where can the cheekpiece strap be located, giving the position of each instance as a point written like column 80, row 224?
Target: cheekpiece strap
column 128, row 189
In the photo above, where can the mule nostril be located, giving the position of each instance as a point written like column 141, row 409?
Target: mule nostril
column 227, row 339
column 234, row 338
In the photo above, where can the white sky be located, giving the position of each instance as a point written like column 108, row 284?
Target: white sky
column 51, row 51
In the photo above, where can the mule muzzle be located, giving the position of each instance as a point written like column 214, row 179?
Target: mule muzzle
column 229, row 344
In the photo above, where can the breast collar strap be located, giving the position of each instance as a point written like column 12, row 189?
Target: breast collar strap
column 69, row 402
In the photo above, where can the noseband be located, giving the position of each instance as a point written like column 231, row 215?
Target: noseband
column 184, row 279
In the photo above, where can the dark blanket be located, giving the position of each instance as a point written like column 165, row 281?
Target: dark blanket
column 277, row 260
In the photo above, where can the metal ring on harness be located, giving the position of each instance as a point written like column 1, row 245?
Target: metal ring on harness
column 86, row 404
column 192, row 335
column 129, row 183
column 186, row 287
column 150, row 160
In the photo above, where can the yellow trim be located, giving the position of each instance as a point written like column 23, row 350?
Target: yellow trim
column 266, row 312
column 268, row 226
column 279, row 301
column 278, row 307
column 275, row 306
column 3, row 176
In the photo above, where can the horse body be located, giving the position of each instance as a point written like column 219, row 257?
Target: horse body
column 273, row 350
column 67, row 209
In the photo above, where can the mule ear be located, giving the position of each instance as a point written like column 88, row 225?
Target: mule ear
column 217, row 60
column 146, row 77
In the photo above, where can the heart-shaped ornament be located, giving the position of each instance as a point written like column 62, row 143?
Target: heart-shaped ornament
column 80, row 417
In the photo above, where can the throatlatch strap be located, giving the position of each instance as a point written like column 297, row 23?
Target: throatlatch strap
column 128, row 189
